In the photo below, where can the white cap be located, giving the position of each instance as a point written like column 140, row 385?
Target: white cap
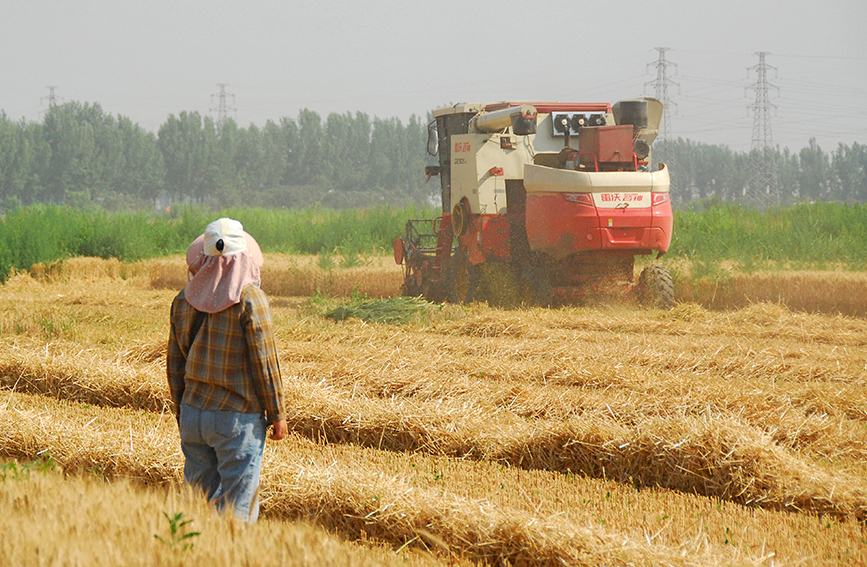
column 224, row 236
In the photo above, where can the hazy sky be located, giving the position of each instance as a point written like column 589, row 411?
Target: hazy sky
column 396, row 58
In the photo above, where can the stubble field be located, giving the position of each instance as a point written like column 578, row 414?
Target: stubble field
column 601, row 435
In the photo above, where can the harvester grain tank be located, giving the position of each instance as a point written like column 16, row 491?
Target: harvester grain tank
column 540, row 202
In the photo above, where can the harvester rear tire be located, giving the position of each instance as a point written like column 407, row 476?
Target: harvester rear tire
column 656, row 288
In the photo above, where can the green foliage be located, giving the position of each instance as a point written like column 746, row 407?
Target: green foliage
column 47, row 233
column 316, row 230
column 326, row 261
column 83, row 157
column 22, row 471
column 817, row 236
column 179, row 538
column 393, row 310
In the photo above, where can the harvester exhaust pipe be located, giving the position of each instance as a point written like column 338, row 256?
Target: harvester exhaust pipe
column 522, row 119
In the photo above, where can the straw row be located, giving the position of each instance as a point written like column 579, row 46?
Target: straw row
column 135, row 378
column 717, row 455
column 355, row 499
column 48, row 518
column 825, row 418
column 85, row 376
column 291, row 275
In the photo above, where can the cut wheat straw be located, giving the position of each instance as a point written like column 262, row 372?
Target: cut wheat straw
column 712, row 455
column 352, row 500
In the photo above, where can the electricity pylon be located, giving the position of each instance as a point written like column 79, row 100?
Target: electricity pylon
column 222, row 107
column 661, row 86
column 52, row 97
column 763, row 188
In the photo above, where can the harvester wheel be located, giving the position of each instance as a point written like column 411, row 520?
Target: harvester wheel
column 655, row 288
column 460, row 218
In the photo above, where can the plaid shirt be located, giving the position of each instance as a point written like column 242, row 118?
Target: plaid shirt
column 231, row 363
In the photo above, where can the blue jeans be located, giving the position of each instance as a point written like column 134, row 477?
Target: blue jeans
column 223, row 451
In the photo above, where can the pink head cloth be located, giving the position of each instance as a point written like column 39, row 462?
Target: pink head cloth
column 222, row 261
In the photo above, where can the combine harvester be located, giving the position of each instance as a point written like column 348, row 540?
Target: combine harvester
column 542, row 203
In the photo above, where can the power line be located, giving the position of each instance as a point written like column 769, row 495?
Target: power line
column 840, row 57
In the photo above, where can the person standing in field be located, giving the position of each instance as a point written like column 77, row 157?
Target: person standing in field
column 222, row 368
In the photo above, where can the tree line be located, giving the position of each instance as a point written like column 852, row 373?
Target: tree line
column 81, row 156
column 704, row 173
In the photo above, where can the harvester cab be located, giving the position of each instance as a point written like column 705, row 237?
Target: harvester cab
column 542, row 202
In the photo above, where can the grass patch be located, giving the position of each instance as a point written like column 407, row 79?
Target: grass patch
column 390, row 310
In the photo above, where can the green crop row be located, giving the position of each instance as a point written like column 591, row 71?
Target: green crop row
column 802, row 236
column 46, row 233
column 805, row 236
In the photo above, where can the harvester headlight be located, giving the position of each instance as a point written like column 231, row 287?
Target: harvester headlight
column 659, row 198
column 579, row 121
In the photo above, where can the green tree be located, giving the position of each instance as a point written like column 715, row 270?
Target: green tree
column 9, row 140
column 77, row 161
column 814, row 172
column 309, row 166
column 143, row 168
column 850, row 167
column 32, row 162
column 188, row 146
column 347, row 151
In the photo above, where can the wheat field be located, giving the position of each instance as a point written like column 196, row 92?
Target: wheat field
column 595, row 435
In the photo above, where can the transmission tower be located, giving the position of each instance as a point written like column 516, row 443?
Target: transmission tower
column 762, row 188
column 52, row 97
column 222, row 109
column 661, row 86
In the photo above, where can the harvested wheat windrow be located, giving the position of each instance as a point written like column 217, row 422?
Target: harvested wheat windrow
column 723, row 457
column 828, row 291
column 540, row 379
column 720, row 457
column 134, row 378
column 827, row 422
column 354, row 498
column 48, row 518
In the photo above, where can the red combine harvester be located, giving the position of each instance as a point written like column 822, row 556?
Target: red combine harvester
column 542, row 202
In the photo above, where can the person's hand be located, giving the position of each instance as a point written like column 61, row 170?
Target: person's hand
column 279, row 430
